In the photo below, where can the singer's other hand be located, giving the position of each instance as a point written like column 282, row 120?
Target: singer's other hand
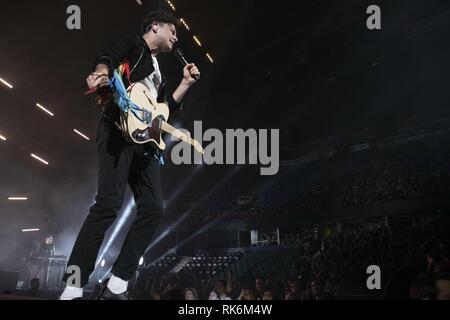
column 189, row 72
column 99, row 78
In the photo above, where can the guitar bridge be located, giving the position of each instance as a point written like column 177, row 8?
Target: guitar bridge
column 147, row 118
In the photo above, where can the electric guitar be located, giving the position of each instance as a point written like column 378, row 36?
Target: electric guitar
column 148, row 124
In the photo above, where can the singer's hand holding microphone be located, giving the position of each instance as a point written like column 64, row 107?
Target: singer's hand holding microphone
column 191, row 74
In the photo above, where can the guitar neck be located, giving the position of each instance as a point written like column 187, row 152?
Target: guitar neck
column 177, row 133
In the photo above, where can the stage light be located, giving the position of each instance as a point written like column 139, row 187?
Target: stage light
column 184, row 184
column 188, row 213
column 209, row 58
column 30, row 230
column 6, row 83
column 185, row 24
column 39, row 159
column 141, row 261
column 81, row 134
column 119, row 226
column 171, row 5
column 2, row 138
column 102, row 264
column 197, row 41
column 17, row 198
column 41, row 107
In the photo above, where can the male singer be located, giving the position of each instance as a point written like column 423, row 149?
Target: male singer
column 121, row 162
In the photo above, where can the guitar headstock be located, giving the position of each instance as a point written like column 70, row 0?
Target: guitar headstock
column 198, row 147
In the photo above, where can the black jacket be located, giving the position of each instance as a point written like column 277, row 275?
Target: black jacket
column 131, row 46
column 46, row 250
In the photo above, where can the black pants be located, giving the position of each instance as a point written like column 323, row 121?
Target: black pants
column 119, row 163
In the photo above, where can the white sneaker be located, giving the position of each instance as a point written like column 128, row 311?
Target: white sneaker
column 71, row 293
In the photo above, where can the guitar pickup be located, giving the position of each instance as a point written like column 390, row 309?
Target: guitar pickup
column 141, row 136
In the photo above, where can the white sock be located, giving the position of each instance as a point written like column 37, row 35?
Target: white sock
column 117, row 285
column 71, row 293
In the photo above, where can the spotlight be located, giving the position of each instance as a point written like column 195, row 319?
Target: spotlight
column 6, row 83
column 39, row 159
column 120, row 224
column 44, row 109
column 184, row 23
column 81, row 134
column 197, row 41
column 17, row 198
column 171, row 5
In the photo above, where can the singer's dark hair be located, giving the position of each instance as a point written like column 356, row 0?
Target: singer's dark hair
column 159, row 16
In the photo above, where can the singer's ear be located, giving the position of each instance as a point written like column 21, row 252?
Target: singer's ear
column 152, row 27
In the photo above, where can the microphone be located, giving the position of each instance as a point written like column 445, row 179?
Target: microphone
column 180, row 56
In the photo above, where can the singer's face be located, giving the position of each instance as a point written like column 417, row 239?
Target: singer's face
column 167, row 37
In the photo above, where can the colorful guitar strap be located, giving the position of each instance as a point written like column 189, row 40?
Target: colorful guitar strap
column 121, row 95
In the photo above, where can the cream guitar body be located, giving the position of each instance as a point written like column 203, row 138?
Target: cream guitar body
column 147, row 125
